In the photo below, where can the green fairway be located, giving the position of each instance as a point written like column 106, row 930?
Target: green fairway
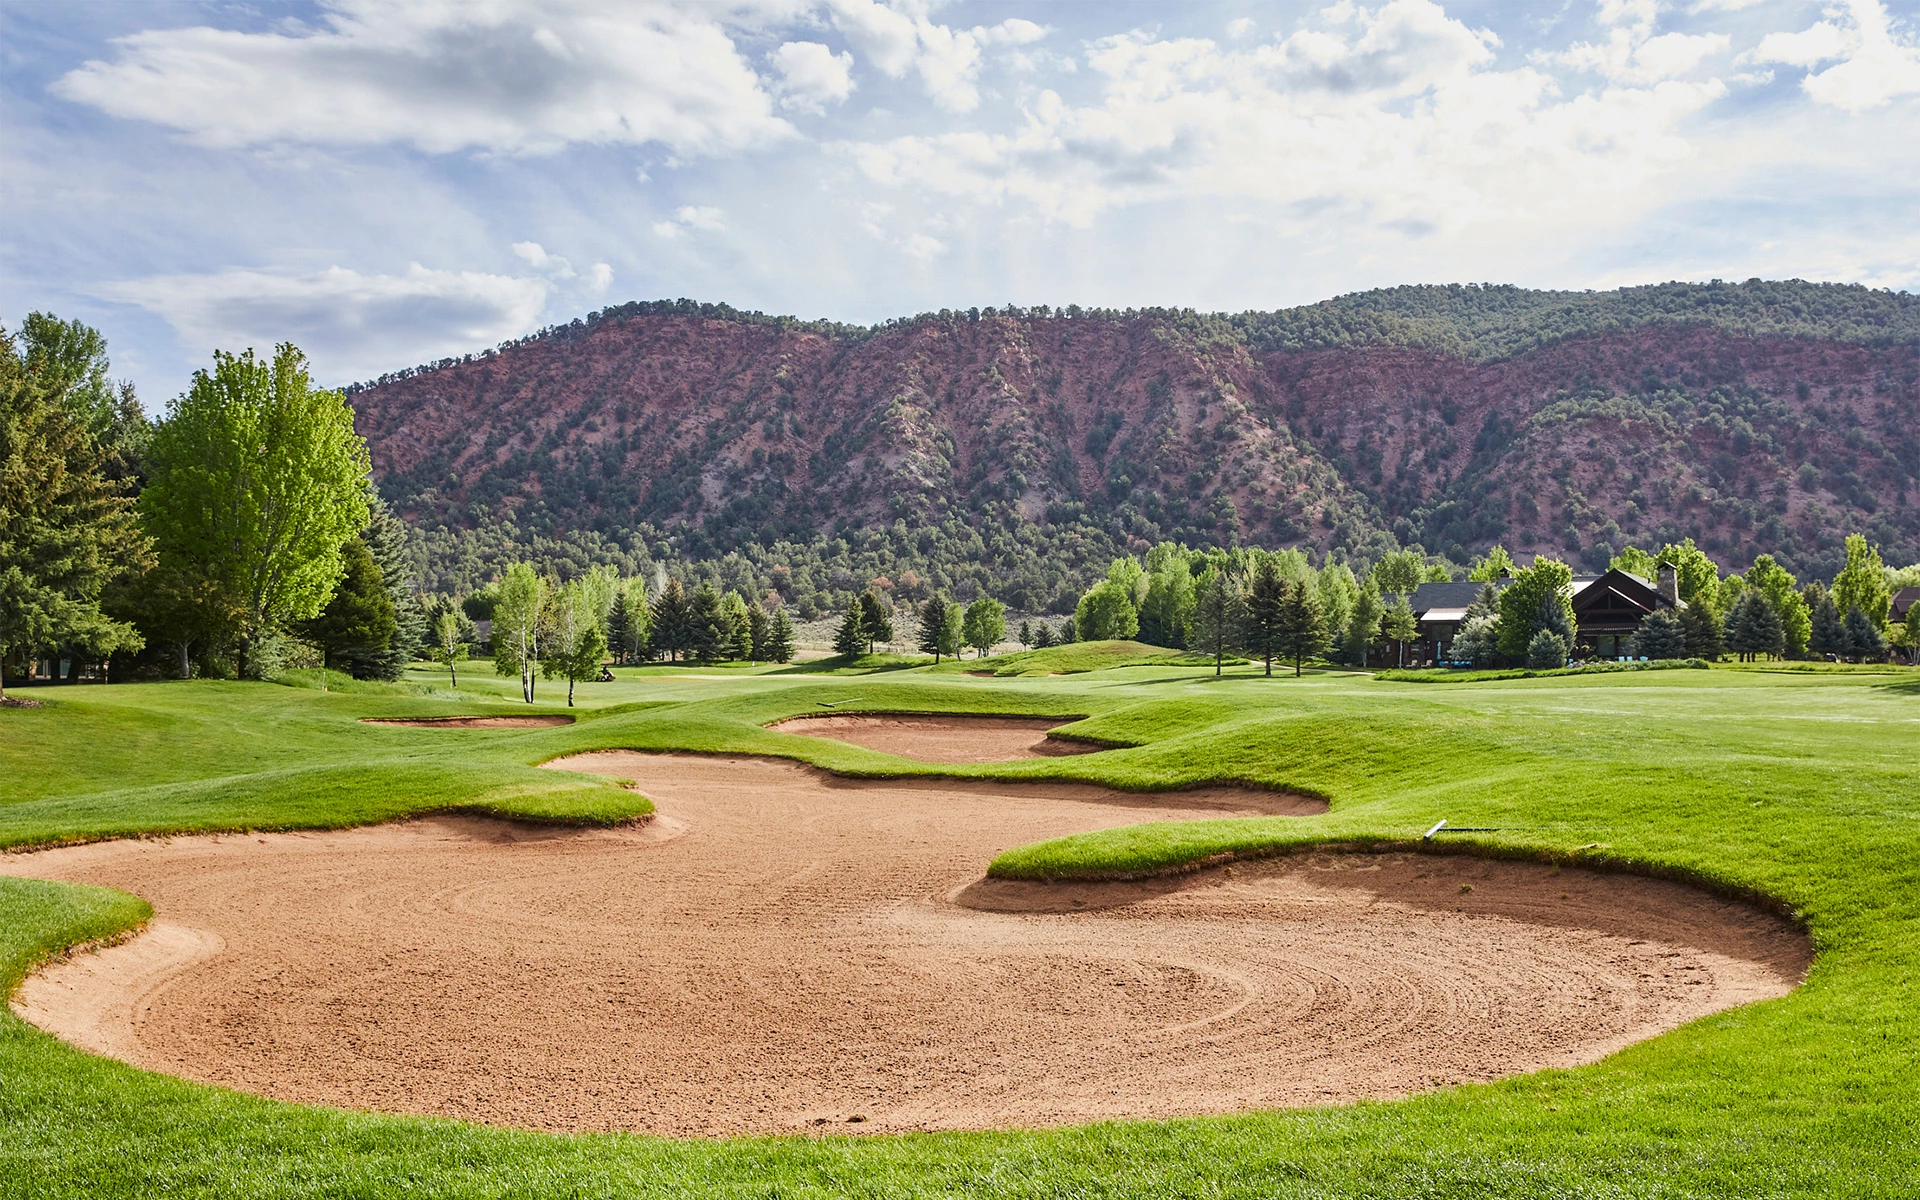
column 1798, row 788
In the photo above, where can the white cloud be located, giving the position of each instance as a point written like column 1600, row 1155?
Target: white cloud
column 1240, row 27
column 1633, row 53
column 510, row 76
column 352, row 326
column 538, row 258
column 812, row 76
column 599, row 277
column 1392, row 119
column 1877, row 64
column 689, row 217
column 899, row 37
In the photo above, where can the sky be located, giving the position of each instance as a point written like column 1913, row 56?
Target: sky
column 385, row 184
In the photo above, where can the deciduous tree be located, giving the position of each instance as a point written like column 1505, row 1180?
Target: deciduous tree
column 984, row 626
column 520, row 600
column 256, row 480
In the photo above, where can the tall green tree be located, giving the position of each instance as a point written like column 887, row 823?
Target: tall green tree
column 1496, row 563
column 984, row 626
column 1660, row 636
column 876, row 618
column 672, row 619
column 708, row 633
column 1338, row 591
column 449, row 644
column 850, row 640
column 738, row 621
column 759, row 626
column 1776, row 583
column 256, row 480
column 1400, row 625
column 1303, row 630
column 1828, row 634
column 1219, row 614
column 779, row 647
column 1167, row 608
column 1540, row 597
column 1705, row 631
column 1106, row 612
column 65, row 528
column 577, row 641
column 1864, row 641
column 519, row 605
column 356, row 628
column 1399, row 572
column 1753, row 626
column 940, row 620
column 1363, row 628
column 1862, row 583
column 386, row 540
column 1266, row 611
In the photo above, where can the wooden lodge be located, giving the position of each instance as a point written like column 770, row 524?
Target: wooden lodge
column 1607, row 611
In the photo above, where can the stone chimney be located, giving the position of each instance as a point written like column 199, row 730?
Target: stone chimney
column 1670, row 583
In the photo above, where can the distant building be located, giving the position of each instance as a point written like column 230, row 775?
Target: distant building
column 1608, row 609
column 1903, row 602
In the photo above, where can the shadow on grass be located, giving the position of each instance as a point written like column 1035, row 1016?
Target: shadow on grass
column 859, row 666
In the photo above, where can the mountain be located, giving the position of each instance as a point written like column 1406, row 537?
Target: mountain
column 1017, row 450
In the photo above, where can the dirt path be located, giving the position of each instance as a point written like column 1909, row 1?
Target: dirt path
column 946, row 739
column 781, row 951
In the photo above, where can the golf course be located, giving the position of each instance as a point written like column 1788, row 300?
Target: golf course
column 1115, row 830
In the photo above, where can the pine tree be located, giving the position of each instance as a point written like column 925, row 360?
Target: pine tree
column 708, row 635
column 356, row 627
column 1705, row 636
column 736, row 628
column 1828, row 637
column 851, row 640
column 1026, row 634
column 1303, row 631
column 619, row 622
column 1266, row 604
column 758, row 627
column 779, row 647
column 875, row 618
column 671, row 616
column 1042, row 635
column 1219, row 614
column 1864, row 641
column 386, row 539
column 939, row 626
column 1547, row 651
column 1660, row 636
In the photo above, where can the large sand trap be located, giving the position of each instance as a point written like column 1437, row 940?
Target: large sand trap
column 780, row 950
column 542, row 721
column 941, row 737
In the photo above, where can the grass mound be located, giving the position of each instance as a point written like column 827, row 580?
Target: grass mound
column 1074, row 658
column 1447, row 675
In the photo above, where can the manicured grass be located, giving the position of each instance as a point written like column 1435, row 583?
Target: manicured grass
column 1803, row 787
column 1074, row 658
column 1449, row 675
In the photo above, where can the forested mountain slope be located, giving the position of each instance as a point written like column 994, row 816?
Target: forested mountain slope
column 1020, row 449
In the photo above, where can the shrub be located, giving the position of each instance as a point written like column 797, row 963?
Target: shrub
column 1546, row 651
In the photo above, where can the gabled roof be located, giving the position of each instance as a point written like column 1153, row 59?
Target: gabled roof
column 1616, row 589
column 1903, row 600
column 1429, row 596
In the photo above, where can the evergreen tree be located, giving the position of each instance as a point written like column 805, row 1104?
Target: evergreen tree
column 875, row 618
column 1219, row 614
column 984, row 625
column 1401, row 625
column 779, row 646
column 1661, row 636
column 386, row 540
column 619, row 623
column 851, row 640
column 708, row 634
column 1864, row 641
column 736, row 632
column 672, row 621
column 1828, row 636
column 1026, row 634
column 356, row 628
column 1547, row 651
column 1775, row 583
column 64, row 527
column 1042, row 635
column 758, row 627
column 1528, row 604
column 1753, row 627
column 1478, row 641
column 1303, row 631
column 1265, row 616
column 1702, row 628
column 939, row 626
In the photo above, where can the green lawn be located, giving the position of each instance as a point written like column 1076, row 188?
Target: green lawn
column 1802, row 787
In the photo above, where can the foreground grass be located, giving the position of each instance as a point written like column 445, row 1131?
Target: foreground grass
column 1801, row 787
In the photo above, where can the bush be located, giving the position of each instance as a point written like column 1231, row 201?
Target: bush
column 1547, row 651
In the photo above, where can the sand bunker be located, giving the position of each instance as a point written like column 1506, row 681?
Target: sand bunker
column 784, row 951
column 943, row 738
column 533, row 722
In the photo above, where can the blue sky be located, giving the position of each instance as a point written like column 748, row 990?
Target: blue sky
column 385, row 184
